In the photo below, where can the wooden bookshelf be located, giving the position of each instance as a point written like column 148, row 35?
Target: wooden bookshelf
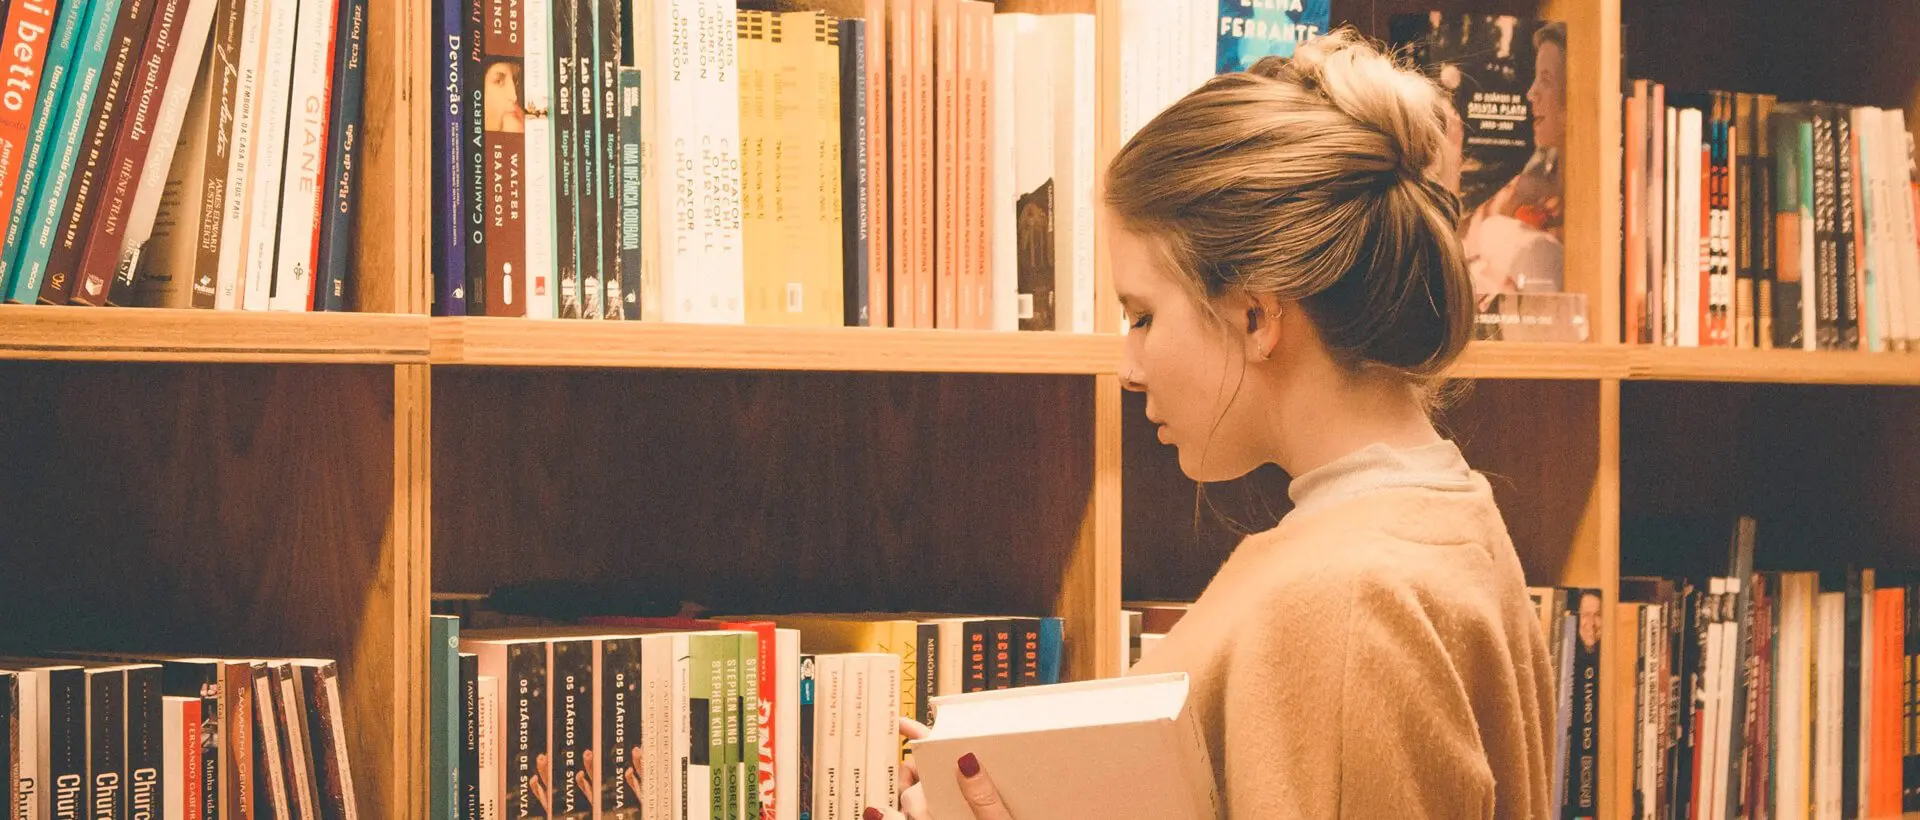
column 300, row 484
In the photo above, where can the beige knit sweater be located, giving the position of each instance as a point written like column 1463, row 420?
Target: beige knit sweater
column 1373, row 656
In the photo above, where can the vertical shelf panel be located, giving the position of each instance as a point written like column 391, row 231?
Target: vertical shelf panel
column 410, row 548
column 235, row 509
column 1090, row 590
column 390, row 273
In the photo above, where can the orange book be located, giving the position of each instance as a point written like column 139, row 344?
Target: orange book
column 947, row 161
column 979, row 14
column 879, row 266
column 901, row 152
column 923, row 158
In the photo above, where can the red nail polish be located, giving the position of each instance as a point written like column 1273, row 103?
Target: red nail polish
column 873, row 814
column 969, row 765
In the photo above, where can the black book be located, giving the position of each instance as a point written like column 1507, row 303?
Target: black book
column 1851, row 764
column 527, row 740
column 469, row 798
column 573, row 724
column 805, row 781
column 927, row 643
column 1000, row 654
column 617, row 749
column 1026, row 651
column 10, row 707
column 979, row 639
column 1826, row 247
column 630, row 140
column 586, row 159
column 566, row 165
column 106, row 735
column 341, row 200
column 146, row 750
column 606, row 88
column 473, row 123
column 1846, row 264
column 853, row 175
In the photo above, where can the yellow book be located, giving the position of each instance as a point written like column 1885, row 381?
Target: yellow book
column 758, row 30
column 826, row 288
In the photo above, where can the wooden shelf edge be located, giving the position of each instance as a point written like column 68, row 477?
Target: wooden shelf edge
column 1772, row 366
column 65, row 333
column 529, row 343
column 1539, row 360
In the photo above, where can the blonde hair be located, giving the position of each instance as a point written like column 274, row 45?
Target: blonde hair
column 1309, row 179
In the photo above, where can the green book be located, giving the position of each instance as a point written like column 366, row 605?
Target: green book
column 749, row 707
column 707, row 655
column 443, row 761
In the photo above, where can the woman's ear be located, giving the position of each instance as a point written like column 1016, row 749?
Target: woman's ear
column 1262, row 314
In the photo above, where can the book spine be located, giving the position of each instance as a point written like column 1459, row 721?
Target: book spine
column 566, row 174
column 927, row 647
column 1743, row 141
column 237, row 773
column 146, row 740
column 24, row 48
column 704, row 772
column 924, row 124
column 269, row 760
column 443, row 700
column 903, row 201
column 327, row 717
column 192, row 219
column 67, row 744
column 1788, row 287
column 631, row 246
column 1847, row 260
column 607, row 25
column 505, row 44
column 106, row 735
column 947, row 162
column 982, row 186
column 93, row 164
column 491, row 731
column 719, row 162
column 644, row 19
column 342, row 194
column 64, row 42
column 803, row 784
column 473, row 65
column 535, row 294
column 1826, row 248
column 882, row 755
column 622, row 727
column 225, row 246
column 449, row 159
column 979, row 647
column 572, row 727
column 587, row 171
column 1000, row 659
column 305, row 171
column 265, row 184
column 12, row 803
column 825, row 301
column 875, row 180
column 30, row 280
column 1759, row 210
column 729, row 772
column 1026, row 667
column 527, row 732
column 748, row 705
column 469, row 763
column 295, row 750
column 854, row 167
column 156, row 168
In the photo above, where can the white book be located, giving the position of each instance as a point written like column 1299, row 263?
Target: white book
column 492, row 778
column 829, row 704
column 1074, row 96
column 1033, row 162
column 1669, row 238
column 1873, row 305
column 1201, row 23
column 236, row 219
column 1005, row 262
column 857, row 699
column 174, row 764
column 1687, row 266
column 303, row 780
column 1652, row 638
column 178, row 91
column 1903, row 301
column 1706, row 794
column 677, row 119
column 720, row 220
column 304, row 172
column 882, row 753
column 1129, row 745
column 270, row 152
column 33, row 755
column 536, row 283
column 786, row 717
column 657, row 659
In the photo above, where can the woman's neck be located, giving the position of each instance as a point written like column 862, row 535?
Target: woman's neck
column 1337, row 415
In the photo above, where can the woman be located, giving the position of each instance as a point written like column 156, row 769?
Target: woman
column 1295, row 286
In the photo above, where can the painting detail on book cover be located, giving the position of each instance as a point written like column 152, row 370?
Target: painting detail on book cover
column 1507, row 79
column 1251, row 29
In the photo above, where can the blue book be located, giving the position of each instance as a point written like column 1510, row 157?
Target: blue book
column 443, row 757
column 29, row 266
column 1052, row 637
column 56, row 75
column 1251, row 29
column 449, row 159
column 342, row 196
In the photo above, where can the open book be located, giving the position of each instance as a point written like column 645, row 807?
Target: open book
column 1117, row 748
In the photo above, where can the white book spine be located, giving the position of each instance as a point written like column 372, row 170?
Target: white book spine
column 828, row 706
column 270, row 152
column 1669, row 240
column 33, row 753
column 786, row 716
column 677, row 184
column 858, row 699
column 1033, row 164
column 238, row 212
column 883, row 738
column 719, row 221
column 1006, row 259
column 1904, row 316
column 1073, row 197
column 1688, row 267
column 688, row 794
column 1200, row 24
column 173, row 763
column 656, row 736
column 304, row 171
column 492, row 779
column 1868, row 649
column 536, row 284
column 1133, row 31
column 181, row 78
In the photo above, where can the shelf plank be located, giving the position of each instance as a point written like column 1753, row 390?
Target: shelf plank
column 523, row 342
column 1772, row 366
column 46, row 332
column 1539, row 360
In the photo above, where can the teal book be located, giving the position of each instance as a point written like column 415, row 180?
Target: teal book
column 28, row 263
column 630, row 258
column 56, row 75
column 443, row 669
column 1051, row 641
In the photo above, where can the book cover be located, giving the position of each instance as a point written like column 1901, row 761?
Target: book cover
column 506, row 161
column 92, row 163
column 27, row 277
column 450, row 158
column 64, row 43
column 630, row 194
column 1506, row 77
column 1251, row 29
column 342, row 187
column 622, row 725
column 573, row 720
column 606, row 88
column 24, row 47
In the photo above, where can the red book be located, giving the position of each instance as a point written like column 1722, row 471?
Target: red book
column 23, row 52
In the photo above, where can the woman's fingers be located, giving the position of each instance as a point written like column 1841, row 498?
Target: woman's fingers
column 977, row 787
column 913, row 803
column 913, row 729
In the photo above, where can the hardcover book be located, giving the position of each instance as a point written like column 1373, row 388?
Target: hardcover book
column 1251, row 29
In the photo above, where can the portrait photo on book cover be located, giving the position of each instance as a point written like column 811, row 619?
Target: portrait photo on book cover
column 1506, row 76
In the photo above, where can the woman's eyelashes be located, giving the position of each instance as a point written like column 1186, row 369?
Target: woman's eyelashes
column 1141, row 320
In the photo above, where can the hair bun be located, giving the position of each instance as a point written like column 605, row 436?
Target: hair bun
column 1367, row 85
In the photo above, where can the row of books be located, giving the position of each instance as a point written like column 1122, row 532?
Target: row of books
column 1169, row 49
column 116, row 735
column 181, row 153
column 1761, row 223
column 1773, row 694
column 738, row 717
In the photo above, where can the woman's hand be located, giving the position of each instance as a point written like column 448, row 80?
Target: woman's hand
column 974, row 782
